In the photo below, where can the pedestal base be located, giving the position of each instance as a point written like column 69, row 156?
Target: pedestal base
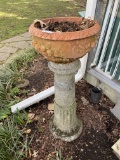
column 65, row 124
column 66, row 136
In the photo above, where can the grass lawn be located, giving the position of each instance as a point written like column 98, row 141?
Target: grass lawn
column 16, row 16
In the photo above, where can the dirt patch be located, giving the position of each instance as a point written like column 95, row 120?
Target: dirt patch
column 65, row 26
column 101, row 128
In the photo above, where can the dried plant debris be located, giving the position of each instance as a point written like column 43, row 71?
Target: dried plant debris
column 39, row 24
column 64, row 26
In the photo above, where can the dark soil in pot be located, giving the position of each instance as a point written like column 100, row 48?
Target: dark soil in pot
column 65, row 26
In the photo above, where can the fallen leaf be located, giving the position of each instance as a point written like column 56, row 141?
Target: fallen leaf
column 31, row 93
column 81, row 150
column 85, row 101
column 31, row 116
column 43, row 146
column 91, row 142
column 36, row 118
column 43, row 120
column 35, row 153
column 30, row 154
column 27, row 131
column 39, row 23
column 51, row 106
column 115, row 132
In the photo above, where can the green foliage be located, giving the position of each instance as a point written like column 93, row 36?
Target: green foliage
column 7, row 96
column 21, row 118
column 4, row 112
column 14, row 146
column 22, row 59
column 13, row 73
column 14, row 91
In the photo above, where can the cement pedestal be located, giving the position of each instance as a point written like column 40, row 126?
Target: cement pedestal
column 65, row 125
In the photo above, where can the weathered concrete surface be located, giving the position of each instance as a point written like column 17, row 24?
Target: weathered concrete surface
column 13, row 45
column 3, row 57
column 27, row 34
column 65, row 124
column 116, row 148
column 1, row 45
column 19, row 45
column 8, row 49
column 23, row 37
column 116, row 110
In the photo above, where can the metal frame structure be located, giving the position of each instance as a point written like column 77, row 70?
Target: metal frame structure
column 104, row 60
column 109, row 20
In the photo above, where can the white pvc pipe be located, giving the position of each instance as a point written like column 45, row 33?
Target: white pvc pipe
column 33, row 99
column 90, row 9
column 81, row 71
column 50, row 91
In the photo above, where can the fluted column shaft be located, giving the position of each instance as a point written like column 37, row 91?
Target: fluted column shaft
column 65, row 119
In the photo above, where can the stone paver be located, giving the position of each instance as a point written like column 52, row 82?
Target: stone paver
column 1, row 45
column 8, row 49
column 16, row 39
column 20, row 45
column 3, row 57
column 27, row 34
column 12, row 45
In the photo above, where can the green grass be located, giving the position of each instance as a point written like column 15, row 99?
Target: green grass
column 14, row 143
column 10, row 75
column 16, row 16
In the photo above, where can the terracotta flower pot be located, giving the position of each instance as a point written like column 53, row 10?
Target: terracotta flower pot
column 64, row 47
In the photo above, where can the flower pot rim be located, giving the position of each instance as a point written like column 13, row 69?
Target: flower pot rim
column 65, row 36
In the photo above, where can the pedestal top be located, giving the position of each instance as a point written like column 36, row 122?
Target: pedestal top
column 67, row 68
